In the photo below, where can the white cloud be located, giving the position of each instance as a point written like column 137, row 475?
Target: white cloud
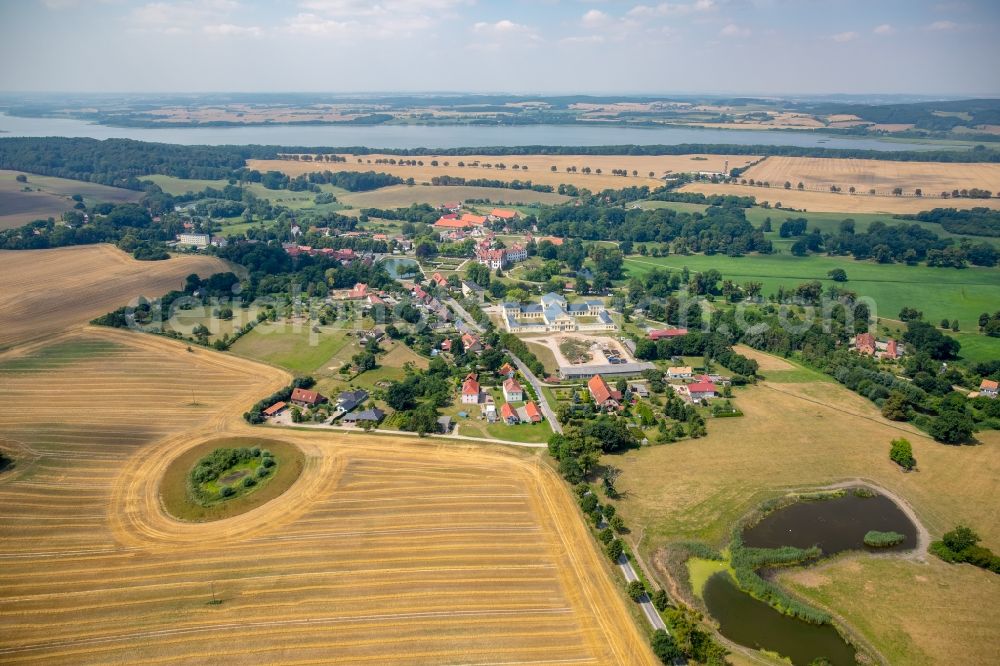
column 672, row 9
column 942, row 25
column 733, row 30
column 504, row 29
column 228, row 29
column 363, row 18
column 311, row 24
column 845, row 36
column 595, row 18
column 884, row 29
column 174, row 18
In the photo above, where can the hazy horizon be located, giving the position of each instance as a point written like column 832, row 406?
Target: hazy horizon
column 775, row 48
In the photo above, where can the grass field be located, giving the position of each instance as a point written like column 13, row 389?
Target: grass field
column 937, row 292
column 842, row 202
column 50, row 197
column 898, row 603
column 384, row 551
column 819, row 173
column 401, row 196
column 48, row 290
column 294, row 347
column 805, row 434
column 539, row 167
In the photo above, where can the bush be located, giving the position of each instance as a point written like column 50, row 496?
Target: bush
column 660, row 600
column 227, row 491
column 635, row 590
column 961, row 545
column 664, row 647
column 877, row 539
column 901, row 453
column 249, row 482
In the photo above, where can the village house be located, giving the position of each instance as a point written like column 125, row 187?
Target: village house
column 604, row 397
column 439, row 280
column 473, row 291
column 532, row 412
column 988, row 388
column 508, row 414
column 451, row 206
column 507, row 370
column 349, row 400
column 680, row 372
column 701, row 390
column 869, row 345
column 512, row 391
column 358, row 292
column 471, row 343
column 470, row 390
column 306, row 398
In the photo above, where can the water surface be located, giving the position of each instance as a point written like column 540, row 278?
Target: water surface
column 440, row 136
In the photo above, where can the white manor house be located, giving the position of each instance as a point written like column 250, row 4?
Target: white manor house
column 554, row 314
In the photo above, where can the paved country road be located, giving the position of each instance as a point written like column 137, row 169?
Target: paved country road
column 537, row 385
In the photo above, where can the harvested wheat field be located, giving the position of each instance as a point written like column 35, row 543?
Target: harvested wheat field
column 384, row 551
column 819, row 173
column 49, row 290
column 539, row 167
column 839, row 202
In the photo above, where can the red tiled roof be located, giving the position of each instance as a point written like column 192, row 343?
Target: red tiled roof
column 531, row 409
column 511, row 385
column 599, row 389
column 306, row 396
column 989, row 384
column 667, row 333
column 470, row 386
column 474, row 220
column 506, row 369
column 504, row 213
column 507, row 412
column 701, row 387
column 275, row 408
column 450, row 223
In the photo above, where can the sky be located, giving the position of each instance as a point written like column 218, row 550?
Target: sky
column 787, row 47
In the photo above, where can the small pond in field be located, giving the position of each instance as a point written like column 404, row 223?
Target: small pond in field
column 835, row 524
column 401, row 268
column 753, row 623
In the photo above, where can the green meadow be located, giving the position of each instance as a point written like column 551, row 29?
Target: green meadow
column 939, row 293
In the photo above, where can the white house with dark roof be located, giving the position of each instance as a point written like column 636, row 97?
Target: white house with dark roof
column 554, row 314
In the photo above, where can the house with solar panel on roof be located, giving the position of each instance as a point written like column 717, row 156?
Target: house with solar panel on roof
column 554, row 314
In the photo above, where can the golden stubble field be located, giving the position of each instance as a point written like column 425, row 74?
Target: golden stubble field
column 882, row 175
column 46, row 291
column 842, row 202
column 805, row 434
column 539, row 167
column 386, row 550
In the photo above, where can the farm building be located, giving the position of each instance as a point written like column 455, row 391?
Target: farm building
column 275, row 409
column 680, row 372
column 988, row 388
column 306, row 398
column 512, row 391
column 555, row 314
column 503, row 215
column 373, row 415
column 604, row 369
column 666, row 333
column 869, row 345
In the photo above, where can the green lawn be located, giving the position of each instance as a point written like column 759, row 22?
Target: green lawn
column 938, row 292
column 299, row 351
column 176, row 186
